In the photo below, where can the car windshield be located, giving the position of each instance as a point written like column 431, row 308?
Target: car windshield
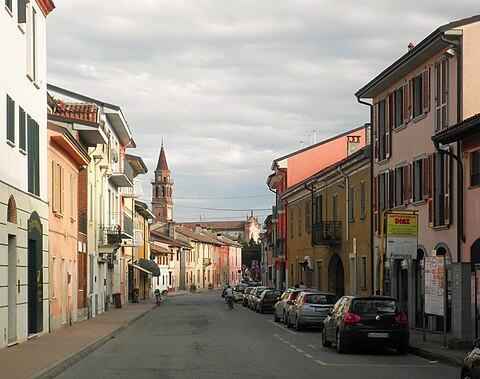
column 373, row 306
column 239, row 288
column 272, row 294
column 316, row 298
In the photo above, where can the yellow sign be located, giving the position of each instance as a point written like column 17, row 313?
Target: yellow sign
column 402, row 225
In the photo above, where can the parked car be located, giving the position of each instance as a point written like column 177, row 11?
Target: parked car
column 238, row 292
column 471, row 363
column 267, row 300
column 246, row 295
column 363, row 321
column 280, row 308
column 255, row 295
column 310, row 309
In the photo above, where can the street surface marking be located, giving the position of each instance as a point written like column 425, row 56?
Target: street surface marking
column 300, row 350
column 293, row 346
column 322, row 363
column 308, row 356
column 282, row 327
column 313, row 347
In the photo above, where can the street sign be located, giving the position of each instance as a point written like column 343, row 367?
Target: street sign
column 434, row 285
column 402, row 233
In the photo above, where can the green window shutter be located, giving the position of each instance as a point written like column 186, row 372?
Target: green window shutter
column 21, row 12
column 21, row 129
column 10, row 119
column 8, row 4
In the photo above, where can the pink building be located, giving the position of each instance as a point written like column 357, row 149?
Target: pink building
column 66, row 157
column 430, row 88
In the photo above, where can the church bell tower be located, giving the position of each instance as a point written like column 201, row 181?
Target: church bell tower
column 162, row 203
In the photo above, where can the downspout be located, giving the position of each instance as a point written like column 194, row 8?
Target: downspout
column 460, row 232
column 347, row 201
column 372, row 254
column 311, row 213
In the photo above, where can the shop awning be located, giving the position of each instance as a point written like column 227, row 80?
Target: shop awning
column 140, row 268
column 149, row 265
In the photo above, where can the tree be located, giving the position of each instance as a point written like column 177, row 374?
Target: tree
column 250, row 252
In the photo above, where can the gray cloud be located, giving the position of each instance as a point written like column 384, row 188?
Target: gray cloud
column 232, row 85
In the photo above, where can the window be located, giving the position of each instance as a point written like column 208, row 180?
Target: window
column 382, row 131
column 21, row 11
column 417, row 96
column 417, row 180
column 441, row 190
column 363, row 199
column 308, row 219
column 8, row 4
column 300, row 219
column 54, row 277
column 351, row 210
column 441, row 95
column 363, row 273
column 10, row 120
column 475, row 168
column 58, row 188
column 22, row 138
column 33, row 157
column 399, row 109
column 399, row 186
column 335, row 208
column 73, row 190
column 318, row 209
column 381, row 197
column 292, row 211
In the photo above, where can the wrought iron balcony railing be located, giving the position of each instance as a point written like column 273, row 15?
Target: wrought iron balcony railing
column 327, row 233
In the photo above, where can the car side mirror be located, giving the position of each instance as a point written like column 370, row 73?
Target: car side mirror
column 290, row 302
column 476, row 343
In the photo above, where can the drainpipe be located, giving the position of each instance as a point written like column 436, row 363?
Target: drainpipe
column 311, row 213
column 372, row 160
column 460, row 231
column 347, row 202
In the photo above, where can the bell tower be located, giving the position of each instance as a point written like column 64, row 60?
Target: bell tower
column 162, row 203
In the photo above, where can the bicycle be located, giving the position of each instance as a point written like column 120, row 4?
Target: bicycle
column 230, row 302
column 158, row 298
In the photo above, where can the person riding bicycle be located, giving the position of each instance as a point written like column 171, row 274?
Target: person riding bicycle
column 229, row 295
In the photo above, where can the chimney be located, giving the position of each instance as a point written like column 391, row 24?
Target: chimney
column 410, row 46
column 171, row 230
column 353, row 144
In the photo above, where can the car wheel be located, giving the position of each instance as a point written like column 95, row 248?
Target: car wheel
column 325, row 343
column 468, row 375
column 275, row 317
column 298, row 326
column 284, row 318
column 341, row 348
column 402, row 349
column 289, row 324
column 261, row 309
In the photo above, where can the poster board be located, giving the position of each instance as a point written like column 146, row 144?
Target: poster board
column 402, row 235
column 435, row 285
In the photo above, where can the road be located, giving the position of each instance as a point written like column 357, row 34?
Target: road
column 195, row 336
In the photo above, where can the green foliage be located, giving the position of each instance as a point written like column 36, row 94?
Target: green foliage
column 193, row 287
column 250, row 251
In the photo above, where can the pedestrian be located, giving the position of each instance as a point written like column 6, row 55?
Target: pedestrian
column 302, row 285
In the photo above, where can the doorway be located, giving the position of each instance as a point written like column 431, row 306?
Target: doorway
column 401, row 275
column 35, row 275
column 419, row 287
column 336, row 276
column 12, row 289
column 475, row 262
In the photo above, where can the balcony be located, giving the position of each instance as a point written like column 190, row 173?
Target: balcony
column 274, row 215
column 132, row 192
column 109, row 236
column 122, row 177
column 279, row 248
column 327, row 233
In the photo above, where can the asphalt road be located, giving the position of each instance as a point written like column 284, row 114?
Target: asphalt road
column 195, row 336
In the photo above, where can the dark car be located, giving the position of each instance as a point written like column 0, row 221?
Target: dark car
column 255, row 295
column 267, row 300
column 471, row 363
column 375, row 321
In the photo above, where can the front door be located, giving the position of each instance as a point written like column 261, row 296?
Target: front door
column 35, row 275
column 336, row 276
column 12, row 289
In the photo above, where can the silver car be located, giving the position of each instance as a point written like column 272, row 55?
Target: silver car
column 310, row 309
column 281, row 307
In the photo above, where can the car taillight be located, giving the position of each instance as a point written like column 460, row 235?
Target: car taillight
column 351, row 317
column 304, row 299
column 401, row 319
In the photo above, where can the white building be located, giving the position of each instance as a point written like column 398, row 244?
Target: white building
column 23, row 181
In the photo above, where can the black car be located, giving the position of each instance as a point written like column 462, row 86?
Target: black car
column 267, row 300
column 363, row 321
column 471, row 363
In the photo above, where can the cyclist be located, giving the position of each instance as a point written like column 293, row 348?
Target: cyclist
column 229, row 295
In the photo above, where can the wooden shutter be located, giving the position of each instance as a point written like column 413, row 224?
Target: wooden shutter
column 375, row 131
column 426, row 177
column 447, row 200
column 406, row 114
column 387, row 127
column 391, row 199
column 410, row 181
column 54, row 187
column 21, row 12
column 411, row 88
column 406, row 178
column 62, row 190
column 375, row 203
column 426, row 90
column 392, row 110
column 431, row 204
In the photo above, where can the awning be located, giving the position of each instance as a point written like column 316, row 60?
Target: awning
column 149, row 265
column 140, row 268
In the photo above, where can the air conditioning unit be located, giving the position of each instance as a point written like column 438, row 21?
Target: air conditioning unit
column 114, row 156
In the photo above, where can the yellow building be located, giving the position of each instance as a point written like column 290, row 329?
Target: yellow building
column 328, row 228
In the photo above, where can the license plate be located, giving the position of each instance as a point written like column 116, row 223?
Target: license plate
column 377, row 335
column 321, row 310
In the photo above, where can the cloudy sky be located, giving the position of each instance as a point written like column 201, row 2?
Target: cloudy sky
column 232, row 85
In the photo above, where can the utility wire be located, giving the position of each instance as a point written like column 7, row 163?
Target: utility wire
column 220, row 198
column 225, row 209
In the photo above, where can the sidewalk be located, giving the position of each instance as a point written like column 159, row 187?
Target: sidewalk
column 48, row 355
column 433, row 348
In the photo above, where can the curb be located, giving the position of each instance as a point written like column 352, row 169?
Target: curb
column 446, row 359
column 62, row 364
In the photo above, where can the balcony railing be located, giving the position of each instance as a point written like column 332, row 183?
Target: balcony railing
column 279, row 248
column 122, row 177
column 109, row 235
column 327, row 233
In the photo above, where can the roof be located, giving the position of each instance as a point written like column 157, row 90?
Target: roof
column 162, row 160
column 196, row 236
column 168, row 240
column 217, row 225
column 429, row 46
column 137, row 164
column 76, row 111
column 155, row 249
column 464, row 129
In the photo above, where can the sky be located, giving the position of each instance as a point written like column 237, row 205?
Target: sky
column 232, row 85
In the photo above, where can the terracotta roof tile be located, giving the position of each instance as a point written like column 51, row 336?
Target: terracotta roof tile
column 77, row 111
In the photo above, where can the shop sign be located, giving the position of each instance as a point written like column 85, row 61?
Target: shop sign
column 402, row 233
